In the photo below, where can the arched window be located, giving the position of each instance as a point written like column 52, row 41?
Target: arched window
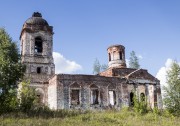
column 120, row 55
column 75, row 94
column 132, row 99
column 94, row 94
column 142, row 97
column 38, row 45
column 39, row 95
column 112, row 97
column 109, row 57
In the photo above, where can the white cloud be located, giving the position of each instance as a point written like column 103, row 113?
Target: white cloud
column 162, row 73
column 63, row 65
column 140, row 56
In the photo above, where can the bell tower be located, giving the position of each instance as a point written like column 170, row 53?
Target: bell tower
column 36, row 50
column 116, row 54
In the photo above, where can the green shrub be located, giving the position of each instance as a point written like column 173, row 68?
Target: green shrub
column 140, row 106
column 27, row 97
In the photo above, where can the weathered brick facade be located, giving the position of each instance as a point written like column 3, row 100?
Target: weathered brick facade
column 36, row 52
column 114, row 87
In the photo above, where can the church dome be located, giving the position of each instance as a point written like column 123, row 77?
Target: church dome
column 36, row 19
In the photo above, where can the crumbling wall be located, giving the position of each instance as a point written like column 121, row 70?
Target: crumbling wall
column 86, row 84
column 52, row 93
column 95, row 92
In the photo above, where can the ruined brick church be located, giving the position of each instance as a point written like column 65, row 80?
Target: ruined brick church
column 114, row 87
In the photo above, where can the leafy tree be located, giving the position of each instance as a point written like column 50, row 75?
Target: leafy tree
column 27, row 97
column 140, row 105
column 11, row 70
column 134, row 61
column 97, row 67
column 172, row 90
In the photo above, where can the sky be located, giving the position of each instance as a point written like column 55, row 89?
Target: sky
column 85, row 28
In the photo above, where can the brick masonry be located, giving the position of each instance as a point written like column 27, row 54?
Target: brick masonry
column 111, row 88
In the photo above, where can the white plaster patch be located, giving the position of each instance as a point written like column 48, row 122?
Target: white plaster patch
column 52, row 96
column 111, row 97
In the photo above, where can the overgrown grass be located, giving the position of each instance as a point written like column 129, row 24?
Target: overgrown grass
column 124, row 117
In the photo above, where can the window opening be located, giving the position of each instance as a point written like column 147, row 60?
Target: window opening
column 112, row 97
column 132, row 99
column 38, row 98
column 109, row 57
column 94, row 96
column 142, row 97
column 38, row 45
column 38, row 70
column 120, row 55
column 75, row 97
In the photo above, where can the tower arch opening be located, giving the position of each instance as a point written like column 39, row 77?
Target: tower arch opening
column 38, row 48
column 120, row 55
column 109, row 56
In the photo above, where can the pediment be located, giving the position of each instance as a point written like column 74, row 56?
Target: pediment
column 141, row 74
column 112, row 86
column 75, row 85
column 94, row 86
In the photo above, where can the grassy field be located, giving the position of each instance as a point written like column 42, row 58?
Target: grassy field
column 98, row 118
